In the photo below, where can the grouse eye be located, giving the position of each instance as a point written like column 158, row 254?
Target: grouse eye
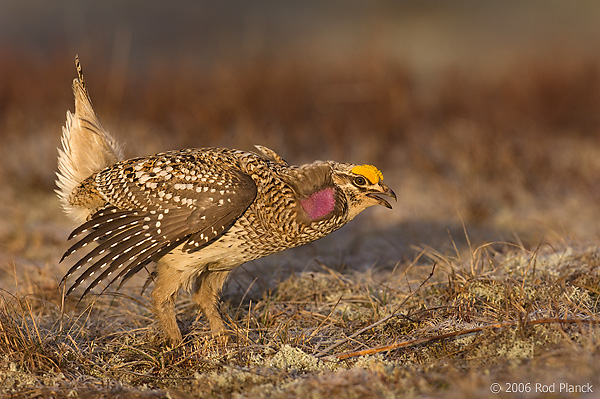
column 360, row 181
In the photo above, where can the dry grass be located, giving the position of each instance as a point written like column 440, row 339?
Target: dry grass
column 497, row 179
column 281, row 341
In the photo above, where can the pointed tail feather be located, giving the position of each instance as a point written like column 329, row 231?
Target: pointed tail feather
column 86, row 148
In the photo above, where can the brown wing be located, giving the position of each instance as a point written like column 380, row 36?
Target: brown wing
column 155, row 204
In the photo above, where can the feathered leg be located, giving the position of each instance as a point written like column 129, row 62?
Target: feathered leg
column 207, row 288
column 166, row 286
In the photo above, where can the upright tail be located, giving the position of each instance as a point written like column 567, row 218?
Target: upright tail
column 86, row 148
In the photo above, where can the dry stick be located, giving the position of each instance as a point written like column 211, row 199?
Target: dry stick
column 404, row 344
column 378, row 322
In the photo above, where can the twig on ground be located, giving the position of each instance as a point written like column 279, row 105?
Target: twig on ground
column 454, row 334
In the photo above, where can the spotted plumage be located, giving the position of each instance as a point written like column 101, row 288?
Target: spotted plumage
column 195, row 213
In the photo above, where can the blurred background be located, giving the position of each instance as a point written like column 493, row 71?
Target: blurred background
column 483, row 116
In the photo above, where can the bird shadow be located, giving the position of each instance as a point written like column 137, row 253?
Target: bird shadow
column 357, row 249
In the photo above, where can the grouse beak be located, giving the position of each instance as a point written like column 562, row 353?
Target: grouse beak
column 383, row 189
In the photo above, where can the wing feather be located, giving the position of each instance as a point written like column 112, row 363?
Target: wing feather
column 105, row 215
column 102, row 232
column 107, row 250
column 155, row 204
column 124, row 260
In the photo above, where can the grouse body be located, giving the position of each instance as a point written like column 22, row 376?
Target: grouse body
column 196, row 213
